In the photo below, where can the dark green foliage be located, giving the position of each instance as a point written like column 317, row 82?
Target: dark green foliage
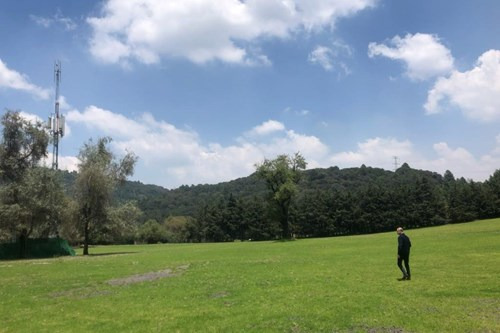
column 329, row 202
column 281, row 176
column 22, row 146
column 152, row 232
column 31, row 198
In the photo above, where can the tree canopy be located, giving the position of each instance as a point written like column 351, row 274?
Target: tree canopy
column 281, row 176
column 99, row 173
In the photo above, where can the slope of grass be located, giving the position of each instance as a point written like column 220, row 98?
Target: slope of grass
column 345, row 284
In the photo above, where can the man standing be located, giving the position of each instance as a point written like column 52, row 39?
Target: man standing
column 404, row 245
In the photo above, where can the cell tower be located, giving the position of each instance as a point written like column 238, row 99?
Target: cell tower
column 396, row 163
column 56, row 120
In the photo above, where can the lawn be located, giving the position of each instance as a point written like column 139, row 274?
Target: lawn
column 343, row 284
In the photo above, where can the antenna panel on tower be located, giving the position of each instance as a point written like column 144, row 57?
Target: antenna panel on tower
column 62, row 125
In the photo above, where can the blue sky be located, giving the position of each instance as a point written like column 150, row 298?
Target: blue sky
column 201, row 90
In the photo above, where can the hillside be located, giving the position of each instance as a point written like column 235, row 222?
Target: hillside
column 158, row 202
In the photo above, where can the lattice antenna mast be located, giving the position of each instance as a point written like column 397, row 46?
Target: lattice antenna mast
column 396, row 163
column 56, row 121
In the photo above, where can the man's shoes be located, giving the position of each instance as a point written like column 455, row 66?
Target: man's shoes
column 408, row 278
column 402, row 279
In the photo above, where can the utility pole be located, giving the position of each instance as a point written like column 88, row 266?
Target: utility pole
column 56, row 121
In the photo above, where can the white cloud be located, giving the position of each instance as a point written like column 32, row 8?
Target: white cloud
column 33, row 118
column 380, row 152
column 331, row 57
column 206, row 30
column 375, row 152
column 475, row 92
column 41, row 21
column 462, row 163
column 58, row 18
column 69, row 163
column 14, row 80
column 267, row 127
column 63, row 103
column 106, row 121
column 322, row 56
column 302, row 112
column 170, row 156
column 423, row 54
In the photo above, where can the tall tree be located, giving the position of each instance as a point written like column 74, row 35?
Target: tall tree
column 27, row 190
column 99, row 174
column 22, row 146
column 282, row 175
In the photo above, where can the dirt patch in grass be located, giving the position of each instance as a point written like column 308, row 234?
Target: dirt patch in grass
column 95, row 291
column 369, row 329
column 80, row 293
column 151, row 276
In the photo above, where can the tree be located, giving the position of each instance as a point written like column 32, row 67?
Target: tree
column 178, row 228
column 99, row 174
column 29, row 193
column 121, row 224
column 282, row 176
column 152, row 232
column 23, row 145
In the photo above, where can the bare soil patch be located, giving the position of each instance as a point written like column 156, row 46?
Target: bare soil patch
column 150, row 276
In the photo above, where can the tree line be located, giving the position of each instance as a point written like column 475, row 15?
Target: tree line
column 280, row 200
column 412, row 201
column 322, row 203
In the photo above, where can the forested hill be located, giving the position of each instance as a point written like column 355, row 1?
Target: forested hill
column 158, row 203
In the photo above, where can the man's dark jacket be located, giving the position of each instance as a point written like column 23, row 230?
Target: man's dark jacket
column 404, row 245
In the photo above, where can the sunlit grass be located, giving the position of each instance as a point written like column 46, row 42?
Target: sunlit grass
column 345, row 284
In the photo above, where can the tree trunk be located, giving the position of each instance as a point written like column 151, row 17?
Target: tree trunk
column 285, row 227
column 22, row 244
column 86, row 239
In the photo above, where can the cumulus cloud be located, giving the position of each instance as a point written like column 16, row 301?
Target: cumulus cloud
column 379, row 152
column 14, row 80
column 206, row 30
column 375, row 152
column 476, row 92
column 424, row 55
column 69, row 163
column 267, row 127
column 171, row 156
column 33, row 118
column 463, row 163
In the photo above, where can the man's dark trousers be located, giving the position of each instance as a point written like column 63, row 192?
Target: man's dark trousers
column 406, row 259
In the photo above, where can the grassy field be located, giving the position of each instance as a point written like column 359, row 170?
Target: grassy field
column 345, row 284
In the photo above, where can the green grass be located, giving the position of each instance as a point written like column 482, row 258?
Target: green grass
column 345, row 284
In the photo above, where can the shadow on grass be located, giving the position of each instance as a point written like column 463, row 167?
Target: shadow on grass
column 285, row 240
column 108, row 254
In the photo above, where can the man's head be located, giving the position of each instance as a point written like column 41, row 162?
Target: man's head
column 399, row 230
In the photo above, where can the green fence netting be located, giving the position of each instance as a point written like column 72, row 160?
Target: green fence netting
column 37, row 248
